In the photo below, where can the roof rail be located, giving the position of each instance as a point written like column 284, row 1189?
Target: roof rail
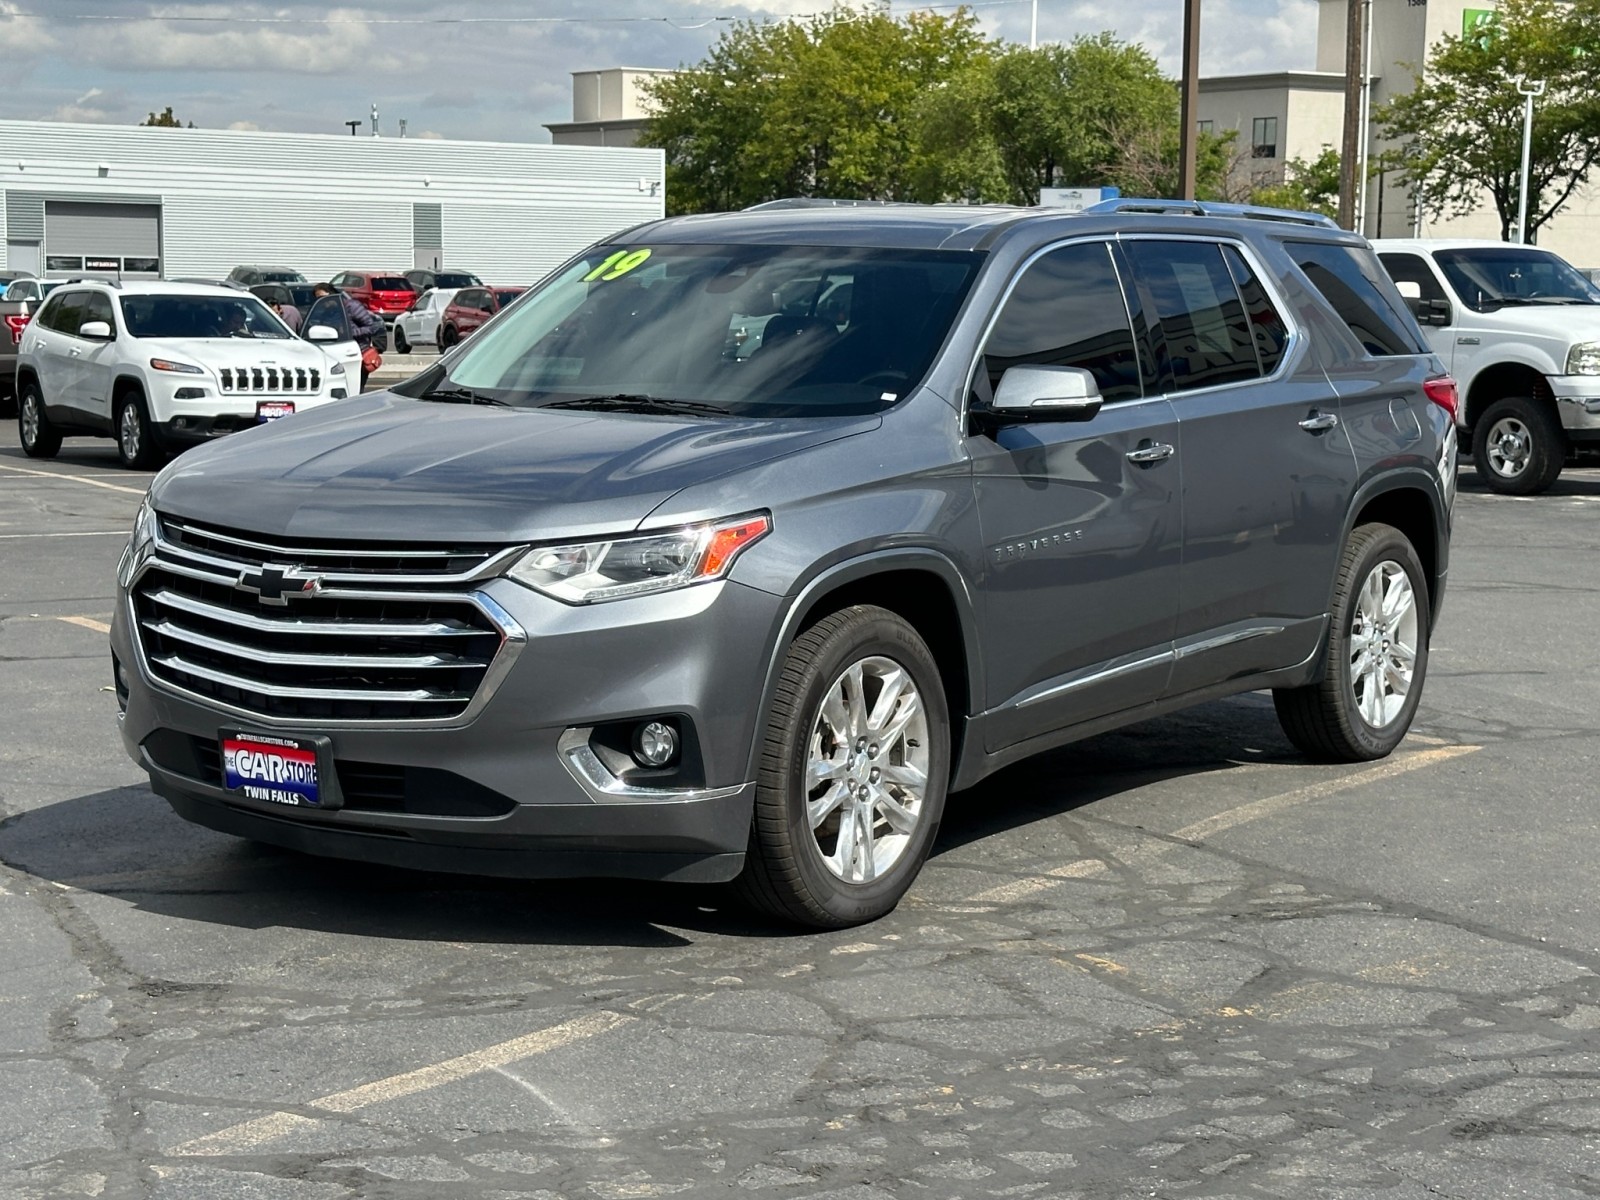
column 116, row 283
column 1211, row 208
column 819, row 202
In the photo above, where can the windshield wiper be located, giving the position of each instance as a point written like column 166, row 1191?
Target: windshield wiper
column 461, row 396
column 637, row 403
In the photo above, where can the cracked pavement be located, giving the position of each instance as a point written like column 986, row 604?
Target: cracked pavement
column 1174, row 961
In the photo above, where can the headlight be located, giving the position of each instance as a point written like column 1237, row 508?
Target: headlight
column 589, row 572
column 177, row 368
column 139, row 543
column 1584, row 359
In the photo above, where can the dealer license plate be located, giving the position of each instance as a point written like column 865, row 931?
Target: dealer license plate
column 271, row 410
column 274, row 769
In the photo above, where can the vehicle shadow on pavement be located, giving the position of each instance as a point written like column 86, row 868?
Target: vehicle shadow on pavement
column 127, row 843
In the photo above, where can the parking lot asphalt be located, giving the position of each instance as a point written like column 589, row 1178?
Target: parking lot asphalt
column 1174, row 961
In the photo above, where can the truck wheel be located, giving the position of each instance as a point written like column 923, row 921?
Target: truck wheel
column 39, row 437
column 136, row 440
column 854, row 765
column 1376, row 658
column 1518, row 446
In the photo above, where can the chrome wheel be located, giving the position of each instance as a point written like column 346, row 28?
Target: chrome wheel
column 30, row 419
column 1383, row 643
column 1509, row 445
column 867, row 769
column 130, row 432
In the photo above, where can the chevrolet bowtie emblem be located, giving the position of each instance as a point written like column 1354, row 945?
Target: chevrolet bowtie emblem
column 275, row 584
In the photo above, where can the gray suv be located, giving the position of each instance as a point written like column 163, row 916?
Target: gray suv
column 734, row 547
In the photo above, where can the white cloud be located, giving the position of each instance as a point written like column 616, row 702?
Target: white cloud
column 83, row 110
column 22, row 36
column 244, row 126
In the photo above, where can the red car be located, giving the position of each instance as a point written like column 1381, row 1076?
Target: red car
column 383, row 292
column 471, row 308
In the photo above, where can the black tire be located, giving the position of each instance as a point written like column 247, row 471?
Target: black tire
column 448, row 337
column 136, row 437
column 402, row 344
column 1518, row 446
column 786, row 874
column 39, row 437
column 1325, row 720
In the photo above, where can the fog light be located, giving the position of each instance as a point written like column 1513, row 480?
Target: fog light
column 655, row 744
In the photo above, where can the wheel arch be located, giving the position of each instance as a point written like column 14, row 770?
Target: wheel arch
column 26, row 375
column 920, row 585
column 1411, row 503
column 122, row 385
column 1504, row 379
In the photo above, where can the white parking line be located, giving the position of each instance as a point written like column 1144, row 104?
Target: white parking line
column 244, row 1136
column 84, row 479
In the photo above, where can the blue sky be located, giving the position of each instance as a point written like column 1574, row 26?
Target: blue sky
column 490, row 80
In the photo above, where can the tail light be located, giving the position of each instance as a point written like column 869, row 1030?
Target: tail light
column 16, row 322
column 1442, row 391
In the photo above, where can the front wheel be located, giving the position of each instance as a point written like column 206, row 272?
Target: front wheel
column 1518, row 446
column 448, row 337
column 855, row 761
column 136, row 443
column 402, row 344
column 1376, row 658
column 39, row 437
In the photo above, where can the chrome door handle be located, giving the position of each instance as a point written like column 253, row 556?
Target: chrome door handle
column 1153, row 453
column 1317, row 422
column 74, row 353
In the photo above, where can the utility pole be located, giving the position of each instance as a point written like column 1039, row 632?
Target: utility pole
column 1529, row 89
column 1188, row 109
column 1350, row 152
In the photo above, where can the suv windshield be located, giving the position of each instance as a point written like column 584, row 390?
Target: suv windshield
column 750, row 330
column 281, row 277
column 1494, row 276
column 200, row 317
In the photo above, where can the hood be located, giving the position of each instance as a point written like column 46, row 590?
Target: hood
column 384, row 467
column 1563, row 323
column 216, row 353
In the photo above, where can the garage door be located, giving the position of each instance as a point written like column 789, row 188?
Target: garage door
column 102, row 237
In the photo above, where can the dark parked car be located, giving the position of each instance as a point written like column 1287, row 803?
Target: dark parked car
column 422, row 279
column 595, row 595
column 300, row 295
column 386, row 294
column 249, row 277
column 470, row 309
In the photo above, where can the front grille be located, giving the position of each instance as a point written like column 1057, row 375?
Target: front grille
column 355, row 635
column 272, row 381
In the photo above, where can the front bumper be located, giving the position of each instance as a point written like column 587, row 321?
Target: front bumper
column 1578, row 402
column 500, row 793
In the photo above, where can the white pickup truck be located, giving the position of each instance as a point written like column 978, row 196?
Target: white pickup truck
column 1519, row 329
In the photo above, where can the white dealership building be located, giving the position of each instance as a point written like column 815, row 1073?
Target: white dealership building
column 147, row 202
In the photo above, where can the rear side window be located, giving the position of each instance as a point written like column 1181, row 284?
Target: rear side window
column 1351, row 281
column 1267, row 330
column 1067, row 310
column 1204, row 336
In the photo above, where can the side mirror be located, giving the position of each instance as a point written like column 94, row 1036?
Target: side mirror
column 1035, row 393
column 1433, row 312
column 1409, row 290
column 322, row 333
column 99, row 331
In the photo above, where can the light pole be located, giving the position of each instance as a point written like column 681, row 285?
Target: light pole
column 1033, row 27
column 1529, row 89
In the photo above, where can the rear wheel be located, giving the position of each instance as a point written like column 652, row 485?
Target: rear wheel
column 1518, row 446
column 1376, row 659
column 448, row 337
column 39, row 437
column 854, row 766
column 136, row 442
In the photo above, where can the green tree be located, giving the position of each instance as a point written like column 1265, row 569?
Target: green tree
column 1308, row 186
column 822, row 107
column 1459, row 131
column 1024, row 119
column 165, row 120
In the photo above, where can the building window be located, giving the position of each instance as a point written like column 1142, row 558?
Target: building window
column 1264, row 137
column 1207, row 126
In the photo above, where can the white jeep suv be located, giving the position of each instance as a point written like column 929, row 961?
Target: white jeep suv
column 1519, row 329
column 161, row 366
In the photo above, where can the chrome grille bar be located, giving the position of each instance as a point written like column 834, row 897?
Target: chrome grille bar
column 173, row 662
column 298, row 625
column 346, row 662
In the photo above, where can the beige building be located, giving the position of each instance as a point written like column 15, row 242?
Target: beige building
column 607, row 107
column 1295, row 114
